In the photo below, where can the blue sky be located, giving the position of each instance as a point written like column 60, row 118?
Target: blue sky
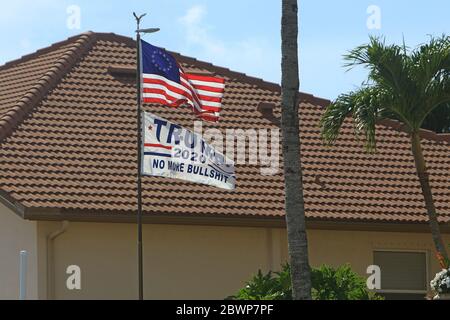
column 243, row 35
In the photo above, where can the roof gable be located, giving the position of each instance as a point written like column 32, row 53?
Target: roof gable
column 25, row 82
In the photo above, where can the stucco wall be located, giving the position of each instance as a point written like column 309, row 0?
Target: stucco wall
column 180, row 261
column 16, row 234
column 356, row 247
column 201, row 262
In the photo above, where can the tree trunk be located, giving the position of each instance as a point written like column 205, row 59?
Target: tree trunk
column 294, row 204
column 422, row 173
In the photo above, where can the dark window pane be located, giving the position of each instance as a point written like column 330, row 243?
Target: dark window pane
column 402, row 270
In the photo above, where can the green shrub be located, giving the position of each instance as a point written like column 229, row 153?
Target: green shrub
column 339, row 284
column 327, row 284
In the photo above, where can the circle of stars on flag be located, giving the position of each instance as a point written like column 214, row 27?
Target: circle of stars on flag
column 164, row 67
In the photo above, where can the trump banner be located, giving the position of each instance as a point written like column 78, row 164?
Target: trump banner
column 172, row 151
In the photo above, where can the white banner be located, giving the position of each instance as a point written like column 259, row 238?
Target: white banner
column 172, row 151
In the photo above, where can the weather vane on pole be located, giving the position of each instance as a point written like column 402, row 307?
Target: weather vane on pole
column 139, row 147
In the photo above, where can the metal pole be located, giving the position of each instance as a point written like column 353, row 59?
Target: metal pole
column 23, row 275
column 139, row 161
column 139, row 147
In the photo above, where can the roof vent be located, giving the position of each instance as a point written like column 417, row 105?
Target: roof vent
column 266, row 109
column 318, row 180
column 122, row 70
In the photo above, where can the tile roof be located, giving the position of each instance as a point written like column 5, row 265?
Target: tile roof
column 68, row 136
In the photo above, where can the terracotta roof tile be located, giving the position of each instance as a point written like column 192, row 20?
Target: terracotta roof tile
column 68, row 133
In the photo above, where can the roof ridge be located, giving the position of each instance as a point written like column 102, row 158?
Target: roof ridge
column 46, row 82
column 424, row 133
column 272, row 86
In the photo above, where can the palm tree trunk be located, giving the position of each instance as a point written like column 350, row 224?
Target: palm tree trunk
column 422, row 173
column 294, row 204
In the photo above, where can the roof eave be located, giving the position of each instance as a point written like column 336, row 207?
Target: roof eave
column 13, row 204
column 109, row 216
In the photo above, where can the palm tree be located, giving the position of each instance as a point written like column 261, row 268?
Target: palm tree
column 406, row 85
column 294, row 204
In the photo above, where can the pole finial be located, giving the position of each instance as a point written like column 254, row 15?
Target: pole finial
column 139, row 18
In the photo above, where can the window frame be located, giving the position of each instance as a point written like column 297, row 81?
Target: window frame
column 427, row 269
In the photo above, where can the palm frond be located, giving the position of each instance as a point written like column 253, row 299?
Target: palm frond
column 387, row 64
column 432, row 71
column 436, row 95
column 365, row 106
column 334, row 116
column 431, row 61
column 403, row 84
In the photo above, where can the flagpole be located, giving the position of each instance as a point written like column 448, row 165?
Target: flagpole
column 139, row 147
column 139, row 159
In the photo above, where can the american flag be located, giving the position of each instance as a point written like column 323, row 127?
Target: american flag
column 164, row 82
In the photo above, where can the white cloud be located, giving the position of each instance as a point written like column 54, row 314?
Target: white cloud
column 194, row 15
column 254, row 56
column 197, row 33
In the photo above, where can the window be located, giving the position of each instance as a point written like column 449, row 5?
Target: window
column 403, row 274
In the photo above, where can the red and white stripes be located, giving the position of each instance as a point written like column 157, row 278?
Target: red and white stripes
column 203, row 93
